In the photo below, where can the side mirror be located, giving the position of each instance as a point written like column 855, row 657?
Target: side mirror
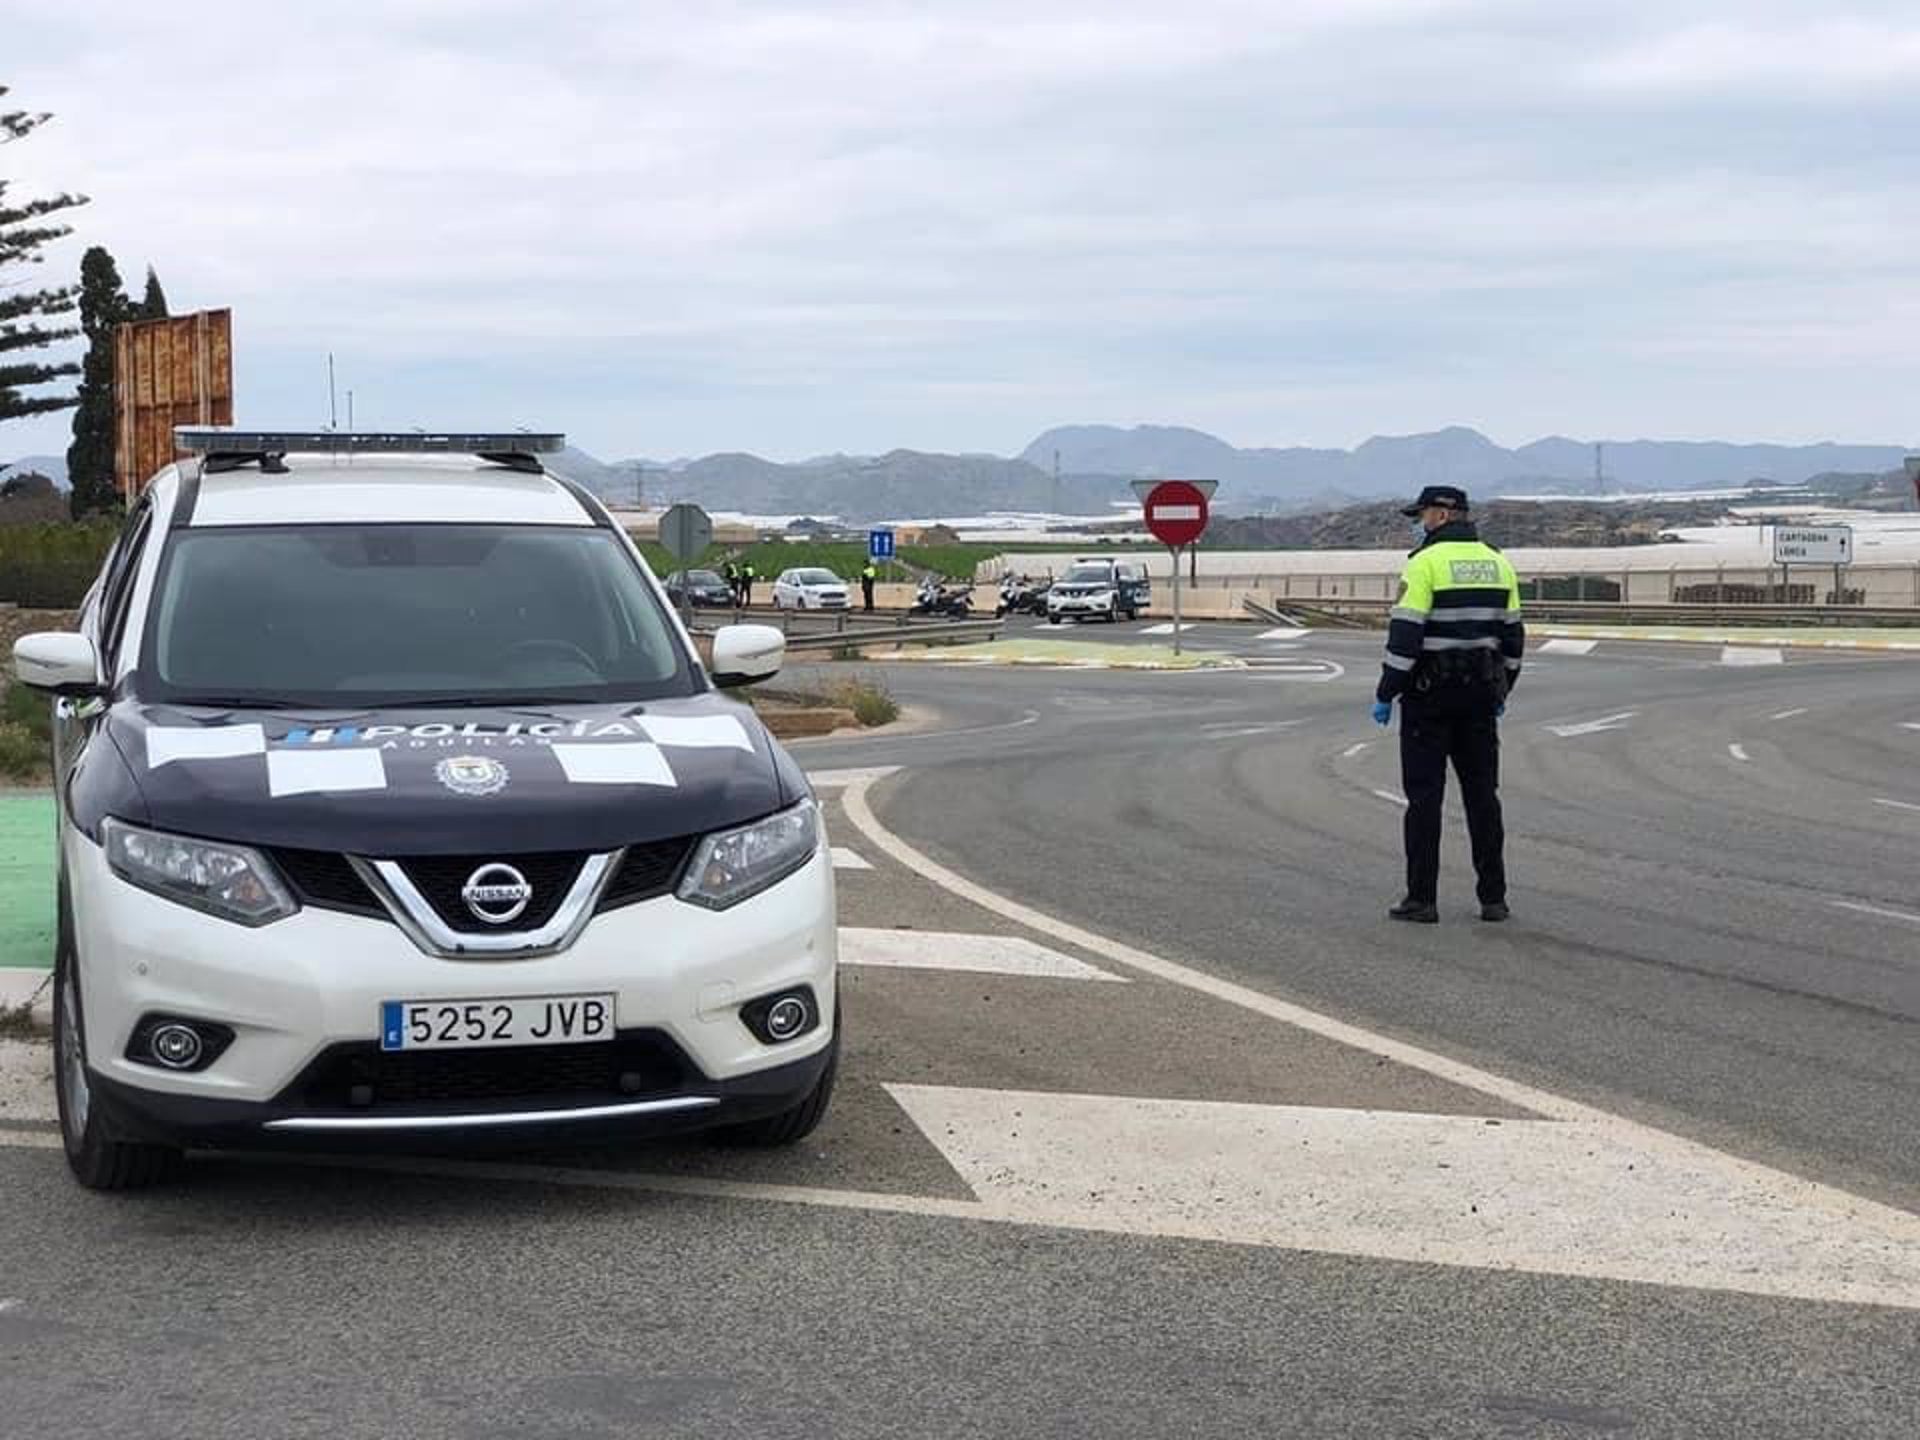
column 59, row 662
column 746, row 654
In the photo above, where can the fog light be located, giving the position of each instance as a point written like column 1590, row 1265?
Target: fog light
column 787, row 1015
column 175, row 1043
column 786, row 1018
column 175, row 1046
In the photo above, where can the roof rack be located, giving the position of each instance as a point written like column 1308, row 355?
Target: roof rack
column 226, row 448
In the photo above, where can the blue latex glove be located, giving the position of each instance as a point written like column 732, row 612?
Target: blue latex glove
column 1382, row 712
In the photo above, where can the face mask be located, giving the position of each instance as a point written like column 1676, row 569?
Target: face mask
column 1419, row 531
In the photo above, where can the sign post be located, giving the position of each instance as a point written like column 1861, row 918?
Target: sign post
column 1814, row 545
column 686, row 531
column 1176, row 514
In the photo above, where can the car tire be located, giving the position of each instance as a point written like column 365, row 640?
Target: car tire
column 98, row 1160
column 795, row 1123
column 1053, row 619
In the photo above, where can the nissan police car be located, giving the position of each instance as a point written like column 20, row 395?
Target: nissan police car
column 397, row 807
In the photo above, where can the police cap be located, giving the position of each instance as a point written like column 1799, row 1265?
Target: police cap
column 1450, row 497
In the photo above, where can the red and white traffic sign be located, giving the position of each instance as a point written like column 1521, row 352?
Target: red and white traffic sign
column 1176, row 512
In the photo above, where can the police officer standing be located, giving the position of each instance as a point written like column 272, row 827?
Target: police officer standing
column 1454, row 643
column 868, row 574
column 747, row 577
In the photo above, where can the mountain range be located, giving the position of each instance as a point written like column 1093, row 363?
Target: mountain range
column 1096, row 464
column 1393, row 464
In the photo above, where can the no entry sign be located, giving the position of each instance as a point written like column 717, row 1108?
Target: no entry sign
column 1176, row 512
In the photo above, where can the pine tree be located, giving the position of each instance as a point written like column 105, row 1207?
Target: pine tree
column 103, row 305
column 29, row 318
column 153, row 305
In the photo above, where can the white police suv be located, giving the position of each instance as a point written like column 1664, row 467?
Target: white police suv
column 397, row 807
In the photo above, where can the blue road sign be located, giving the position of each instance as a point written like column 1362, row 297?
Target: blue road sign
column 880, row 544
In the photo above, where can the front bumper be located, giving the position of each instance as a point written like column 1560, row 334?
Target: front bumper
column 1080, row 604
column 301, row 989
column 290, row 1122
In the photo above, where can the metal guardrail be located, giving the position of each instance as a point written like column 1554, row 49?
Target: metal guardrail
column 931, row 632
column 1656, row 612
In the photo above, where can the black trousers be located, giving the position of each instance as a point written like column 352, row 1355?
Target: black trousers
column 866, row 592
column 1455, row 725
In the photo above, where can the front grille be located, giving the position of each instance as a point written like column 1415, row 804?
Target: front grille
column 647, row 871
column 361, row 1076
column 440, row 878
column 326, row 880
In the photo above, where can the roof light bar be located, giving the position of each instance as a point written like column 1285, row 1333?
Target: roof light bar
column 225, row 440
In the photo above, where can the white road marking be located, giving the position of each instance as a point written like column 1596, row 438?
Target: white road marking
column 1230, row 730
column 1592, row 727
column 1910, row 724
column 6, row 1305
column 30, row 1139
column 1568, row 647
column 1789, row 714
column 1739, row 752
column 984, row 954
column 1881, row 911
column 845, row 859
column 1749, row 655
column 1354, row 749
column 1554, row 1197
column 1283, row 632
column 1390, row 797
column 1896, row 804
column 1770, row 1231
column 1165, row 629
column 834, row 779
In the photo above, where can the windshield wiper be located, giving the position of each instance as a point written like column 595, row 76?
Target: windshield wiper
column 251, row 702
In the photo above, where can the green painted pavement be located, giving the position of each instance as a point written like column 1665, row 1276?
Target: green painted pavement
column 26, row 879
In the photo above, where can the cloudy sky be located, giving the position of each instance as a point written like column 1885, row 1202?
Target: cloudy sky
column 672, row 229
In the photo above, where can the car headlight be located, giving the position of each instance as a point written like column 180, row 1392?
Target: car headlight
column 732, row 865
column 230, row 881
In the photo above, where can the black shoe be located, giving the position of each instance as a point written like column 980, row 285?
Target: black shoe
column 1495, row 912
column 1419, row 912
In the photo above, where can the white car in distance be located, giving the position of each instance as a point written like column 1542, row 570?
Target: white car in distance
column 810, row 588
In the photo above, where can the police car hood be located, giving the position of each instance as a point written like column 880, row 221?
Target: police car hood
column 453, row 780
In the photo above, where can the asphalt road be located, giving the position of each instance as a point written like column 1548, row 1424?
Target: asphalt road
column 1122, row 1144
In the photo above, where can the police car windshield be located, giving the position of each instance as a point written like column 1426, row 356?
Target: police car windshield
column 1088, row 575
column 366, row 615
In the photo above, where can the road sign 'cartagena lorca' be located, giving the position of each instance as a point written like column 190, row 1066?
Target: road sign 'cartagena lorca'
column 1176, row 512
column 1812, row 545
column 686, row 532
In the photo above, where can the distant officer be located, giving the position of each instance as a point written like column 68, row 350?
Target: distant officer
column 747, row 578
column 1453, row 655
column 731, row 574
column 868, row 575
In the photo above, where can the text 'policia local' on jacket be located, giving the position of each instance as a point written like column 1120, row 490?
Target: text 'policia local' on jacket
column 1458, row 595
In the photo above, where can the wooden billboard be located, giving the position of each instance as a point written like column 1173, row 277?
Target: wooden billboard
column 174, row 371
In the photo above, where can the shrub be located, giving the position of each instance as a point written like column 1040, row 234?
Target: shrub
column 49, row 567
column 23, row 754
column 870, row 701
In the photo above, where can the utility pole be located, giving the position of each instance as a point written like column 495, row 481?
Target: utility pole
column 333, row 408
column 1599, row 468
column 1056, row 482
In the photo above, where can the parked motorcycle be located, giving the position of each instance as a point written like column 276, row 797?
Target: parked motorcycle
column 1020, row 595
column 935, row 598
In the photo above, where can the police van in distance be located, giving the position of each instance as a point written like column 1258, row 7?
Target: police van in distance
column 396, row 806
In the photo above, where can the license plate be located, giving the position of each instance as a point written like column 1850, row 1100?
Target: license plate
column 478, row 1024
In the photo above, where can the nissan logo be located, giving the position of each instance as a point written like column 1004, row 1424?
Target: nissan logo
column 496, row 893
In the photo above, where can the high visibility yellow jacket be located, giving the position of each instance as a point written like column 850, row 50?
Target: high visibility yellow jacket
column 1457, row 593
